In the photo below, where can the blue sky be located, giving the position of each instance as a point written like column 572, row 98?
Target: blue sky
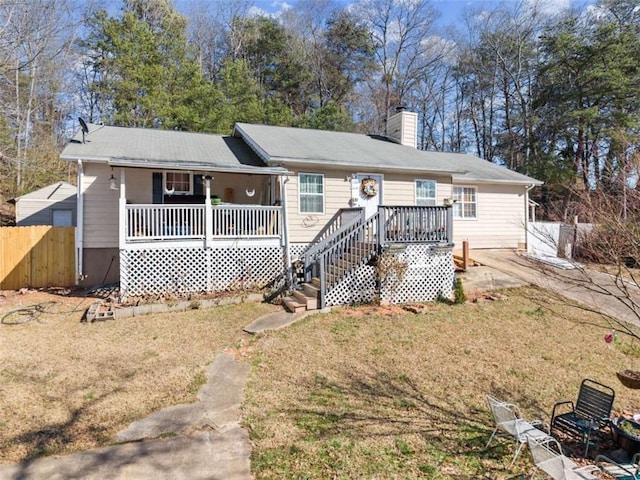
column 451, row 10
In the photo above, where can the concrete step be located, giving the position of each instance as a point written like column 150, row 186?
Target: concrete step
column 311, row 302
column 293, row 305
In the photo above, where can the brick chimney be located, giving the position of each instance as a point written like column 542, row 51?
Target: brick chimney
column 402, row 128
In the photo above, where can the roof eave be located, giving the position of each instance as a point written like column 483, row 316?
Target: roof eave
column 324, row 163
column 527, row 182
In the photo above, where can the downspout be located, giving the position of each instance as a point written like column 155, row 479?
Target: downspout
column 79, row 224
column 285, row 229
column 526, row 216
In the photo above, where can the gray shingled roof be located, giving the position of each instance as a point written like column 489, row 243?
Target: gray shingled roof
column 288, row 146
column 266, row 149
column 119, row 146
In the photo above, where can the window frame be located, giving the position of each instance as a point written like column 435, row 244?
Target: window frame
column 460, row 202
column 435, row 193
column 69, row 211
column 179, row 172
column 301, row 193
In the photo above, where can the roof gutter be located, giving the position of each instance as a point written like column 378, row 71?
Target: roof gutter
column 351, row 166
column 526, row 181
column 159, row 164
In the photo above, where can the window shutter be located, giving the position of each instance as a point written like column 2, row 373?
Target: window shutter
column 157, row 187
column 197, row 185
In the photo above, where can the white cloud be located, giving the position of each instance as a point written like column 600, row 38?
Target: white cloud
column 551, row 7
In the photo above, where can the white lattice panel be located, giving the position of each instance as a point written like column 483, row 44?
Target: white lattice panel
column 245, row 268
column 185, row 271
column 359, row 287
column 430, row 273
column 297, row 250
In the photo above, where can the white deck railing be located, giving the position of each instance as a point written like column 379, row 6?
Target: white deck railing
column 187, row 222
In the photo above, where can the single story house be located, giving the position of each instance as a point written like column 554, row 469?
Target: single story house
column 167, row 212
column 54, row 205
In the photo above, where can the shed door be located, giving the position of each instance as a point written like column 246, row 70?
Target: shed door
column 370, row 203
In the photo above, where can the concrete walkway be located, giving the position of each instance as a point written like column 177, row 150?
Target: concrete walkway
column 599, row 292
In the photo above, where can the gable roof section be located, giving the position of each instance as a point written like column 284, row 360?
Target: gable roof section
column 320, row 148
column 56, row 192
column 166, row 149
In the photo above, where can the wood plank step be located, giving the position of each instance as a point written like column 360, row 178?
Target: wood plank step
column 310, row 302
column 293, row 305
column 311, row 290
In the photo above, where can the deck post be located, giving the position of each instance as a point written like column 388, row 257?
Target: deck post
column 381, row 227
column 450, row 224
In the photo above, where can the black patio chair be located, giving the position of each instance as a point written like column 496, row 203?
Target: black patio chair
column 588, row 415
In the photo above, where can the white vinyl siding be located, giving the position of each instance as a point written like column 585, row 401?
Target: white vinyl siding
column 500, row 222
column 100, row 207
column 425, row 193
column 311, row 193
column 303, row 227
column 466, row 202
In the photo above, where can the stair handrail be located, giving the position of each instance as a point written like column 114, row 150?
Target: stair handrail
column 310, row 254
column 334, row 224
column 364, row 233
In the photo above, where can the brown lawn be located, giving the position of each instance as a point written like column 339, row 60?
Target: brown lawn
column 361, row 392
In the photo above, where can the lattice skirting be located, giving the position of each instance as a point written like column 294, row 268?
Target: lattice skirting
column 430, row 273
column 186, row 271
column 297, row 249
column 358, row 287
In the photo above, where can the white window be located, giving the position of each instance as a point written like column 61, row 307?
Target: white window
column 177, row 183
column 426, row 193
column 311, row 190
column 466, row 202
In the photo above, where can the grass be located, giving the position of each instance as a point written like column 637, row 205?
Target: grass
column 377, row 393
column 366, row 392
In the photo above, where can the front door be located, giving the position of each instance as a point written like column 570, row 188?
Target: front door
column 369, row 192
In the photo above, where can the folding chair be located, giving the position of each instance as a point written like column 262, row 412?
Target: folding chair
column 589, row 414
column 548, row 457
column 508, row 420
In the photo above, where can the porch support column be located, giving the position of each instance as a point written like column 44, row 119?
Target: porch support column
column 208, row 212
column 450, row 224
column 122, row 212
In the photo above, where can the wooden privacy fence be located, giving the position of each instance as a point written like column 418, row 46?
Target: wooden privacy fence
column 37, row 256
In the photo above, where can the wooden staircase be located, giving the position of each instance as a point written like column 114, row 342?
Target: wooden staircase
column 306, row 299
